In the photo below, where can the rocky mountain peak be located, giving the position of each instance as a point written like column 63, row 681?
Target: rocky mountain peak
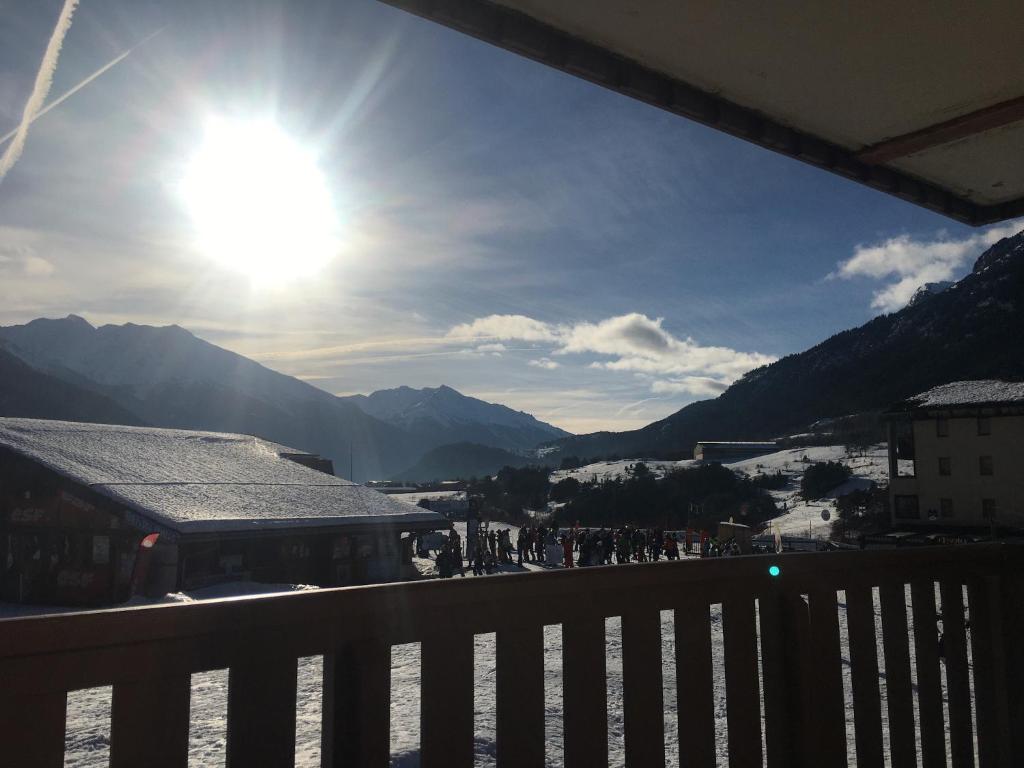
column 1005, row 250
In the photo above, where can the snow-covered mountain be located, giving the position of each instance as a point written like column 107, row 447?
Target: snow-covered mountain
column 444, row 415
column 168, row 377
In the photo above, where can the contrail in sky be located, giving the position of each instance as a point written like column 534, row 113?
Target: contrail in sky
column 72, row 91
column 44, row 79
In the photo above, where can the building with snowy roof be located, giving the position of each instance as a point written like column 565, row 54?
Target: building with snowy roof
column 955, row 456
column 76, row 501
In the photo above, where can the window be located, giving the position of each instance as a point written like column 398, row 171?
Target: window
column 984, row 425
column 946, row 507
column 906, row 508
column 942, row 427
column 945, row 466
column 901, row 450
column 988, row 509
column 985, row 465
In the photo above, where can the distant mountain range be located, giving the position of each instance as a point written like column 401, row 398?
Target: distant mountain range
column 461, row 419
column 462, row 460
column 67, row 369
column 136, row 374
column 971, row 329
column 33, row 394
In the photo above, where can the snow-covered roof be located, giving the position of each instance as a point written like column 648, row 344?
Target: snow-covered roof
column 960, row 393
column 203, row 481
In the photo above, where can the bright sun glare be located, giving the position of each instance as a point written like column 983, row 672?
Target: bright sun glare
column 259, row 202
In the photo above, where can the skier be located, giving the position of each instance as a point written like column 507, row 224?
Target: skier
column 444, row 568
column 567, row 551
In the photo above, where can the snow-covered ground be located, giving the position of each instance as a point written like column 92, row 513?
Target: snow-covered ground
column 610, row 470
column 803, row 518
column 417, row 496
column 800, row 518
column 89, row 711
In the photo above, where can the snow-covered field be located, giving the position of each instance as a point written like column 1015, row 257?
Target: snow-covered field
column 609, row 470
column 417, row 496
column 803, row 518
column 89, row 711
column 800, row 518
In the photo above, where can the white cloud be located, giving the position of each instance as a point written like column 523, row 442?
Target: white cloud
column 545, row 363
column 915, row 262
column 700, row 386
column 634, row 342
column 504, row 328
column 496, row 348
column 41, row 87
column 19, row 259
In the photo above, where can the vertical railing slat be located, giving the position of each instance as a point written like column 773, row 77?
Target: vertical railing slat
column 778, row 687
column 585, row 693
column 357, row 705
column 743, row 695
column 520, row 693
column 929, row 683
column 149, row 723
column 899, row 694
column 1012, row 608
column 867, row 705
column 642, row 696
column 261, row 712
column 826, row 661
column 446, row 714
column 695, row 685
column 989, row 672
column 32, row 727
column 958, row 685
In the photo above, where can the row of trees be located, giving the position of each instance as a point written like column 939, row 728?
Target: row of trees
column 699, row 497
column 504, row 496
column 822, row 477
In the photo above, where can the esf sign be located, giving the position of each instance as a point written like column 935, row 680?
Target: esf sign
column 31, row 515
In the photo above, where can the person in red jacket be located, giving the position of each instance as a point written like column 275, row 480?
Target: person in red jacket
column 567, row 551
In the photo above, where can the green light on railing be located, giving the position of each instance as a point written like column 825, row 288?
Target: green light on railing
column 774, row 570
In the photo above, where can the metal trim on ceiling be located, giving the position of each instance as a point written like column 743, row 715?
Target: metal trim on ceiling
column 522, row 34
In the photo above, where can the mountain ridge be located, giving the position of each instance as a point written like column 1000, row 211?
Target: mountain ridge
column 972, row 329
column 443, row 411
column 166, row 376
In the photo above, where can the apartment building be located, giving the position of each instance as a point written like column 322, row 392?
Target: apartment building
column 956, row 456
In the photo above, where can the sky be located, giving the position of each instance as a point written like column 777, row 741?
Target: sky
column 495, row 225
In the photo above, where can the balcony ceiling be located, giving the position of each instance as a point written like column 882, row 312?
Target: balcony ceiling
column 920, row 99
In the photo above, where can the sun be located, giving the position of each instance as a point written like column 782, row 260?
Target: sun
column 259, row 202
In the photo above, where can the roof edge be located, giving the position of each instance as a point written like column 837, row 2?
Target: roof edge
column 520, row 33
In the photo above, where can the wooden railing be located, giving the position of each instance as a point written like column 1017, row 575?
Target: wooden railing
column 789, row 623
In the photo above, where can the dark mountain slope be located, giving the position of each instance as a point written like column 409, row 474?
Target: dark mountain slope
column 461, row 461
column 33, row 394
column 167, row 377
column 973, row 329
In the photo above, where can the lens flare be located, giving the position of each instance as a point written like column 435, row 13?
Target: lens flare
column 259, row 202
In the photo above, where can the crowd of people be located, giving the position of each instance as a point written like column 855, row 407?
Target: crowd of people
column 572, row 547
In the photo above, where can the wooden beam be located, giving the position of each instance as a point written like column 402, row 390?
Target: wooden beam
column 522, row 34
column 979, row 121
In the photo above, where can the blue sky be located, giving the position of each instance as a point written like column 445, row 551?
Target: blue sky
column 506, row 229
